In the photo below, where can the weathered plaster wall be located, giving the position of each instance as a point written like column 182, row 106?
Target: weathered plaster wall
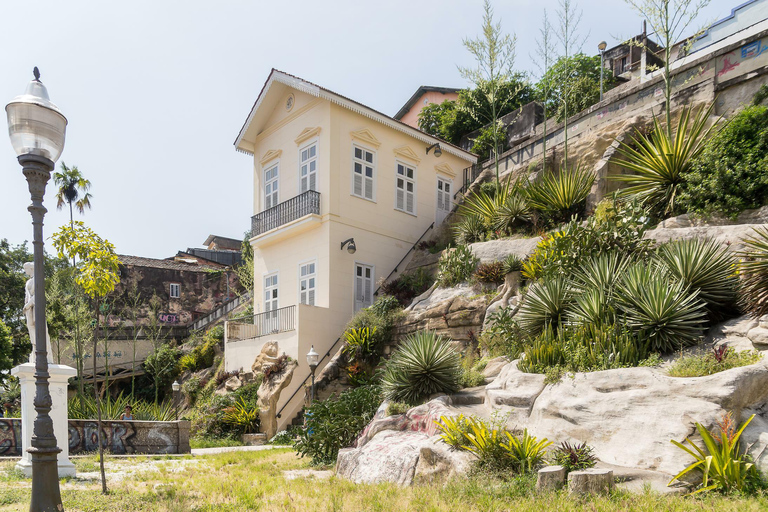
column 118, row 437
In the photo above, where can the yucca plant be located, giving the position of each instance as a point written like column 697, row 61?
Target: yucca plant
column 544, row 305
column 242, row 416
column 469, row 229
column 720, row 462
column 754, row 274
column 512, row 263
column 527, row 452
column 84, row 407
column 424, row 364
column 660, row 161
column 594, row 285
column 660, row 309
column 561, row 195
column 705, row 266
column 591, row 307
column 484, row 202
column 513, row 213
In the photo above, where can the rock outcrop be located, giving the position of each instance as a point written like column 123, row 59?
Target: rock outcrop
column 269, row 395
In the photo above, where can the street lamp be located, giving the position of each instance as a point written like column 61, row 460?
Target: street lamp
column 312, row 358
column 601, row 46
column 37, row 130
column 176, row 387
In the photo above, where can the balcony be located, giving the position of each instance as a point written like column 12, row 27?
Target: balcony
column 264, row 324
column 307, row 203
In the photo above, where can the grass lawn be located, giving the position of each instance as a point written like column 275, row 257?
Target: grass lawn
column 247, row 481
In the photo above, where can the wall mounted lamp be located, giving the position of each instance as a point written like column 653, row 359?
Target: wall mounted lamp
column 350, row 243
column 436, row 147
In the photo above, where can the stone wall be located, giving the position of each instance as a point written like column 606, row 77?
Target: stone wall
column 119, row 437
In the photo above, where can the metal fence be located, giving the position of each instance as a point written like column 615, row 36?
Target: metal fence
column 220, row 311
column 264, row 324
column 295, row 208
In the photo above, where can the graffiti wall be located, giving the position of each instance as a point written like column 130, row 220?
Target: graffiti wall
column 118, row 437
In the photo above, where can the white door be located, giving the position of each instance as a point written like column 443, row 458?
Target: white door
column 270, row 323
column 308, row 168
column 444, row 199
column 363, row 286
column 270, row 188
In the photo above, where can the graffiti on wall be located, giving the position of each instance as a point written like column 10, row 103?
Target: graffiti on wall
column 169, row 318
column 10, row 437
column 116, row 437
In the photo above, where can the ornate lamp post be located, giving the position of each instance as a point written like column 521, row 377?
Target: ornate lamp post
column 601, row 46
column 312, row 358
column 176, row 387
column 37, row 129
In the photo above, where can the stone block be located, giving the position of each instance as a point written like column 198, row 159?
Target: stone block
column 590, row 481
column 550, row 478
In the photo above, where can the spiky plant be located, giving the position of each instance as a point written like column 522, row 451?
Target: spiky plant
column 485, row 201
column 469, row 229
column 512, row 213
column 591, row 307
column 561, row 195
column 512, row 263
column 574, row 457
column 754, row 274
column 545, row 305
column 660, row 309
column 600, row 273
column 705, row 266
column 423, row 365
column 661, row 159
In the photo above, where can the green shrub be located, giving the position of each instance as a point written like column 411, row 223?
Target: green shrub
column 456, row 266
column 704, row 266
column 359, row 346
column 512, row 263
column 754, row 272
column 660, row 309
column 454, row 429
column 574, row 457
column 499, row 450
column 380, row 318
column 544, row 305
column 249, row 392
column 408, row 285
column 503, row 337
column 335, row 423
column 469, row 229
column 84, row 408
column 242, row 416
column 395, row 408
column 731, row 173
column 191, row 388
column 490, row 272
column 720, row 461
column 661, row 163
column 471, row 378
column 422, row 365
column 559, row 196
column 384, row 304
column 698, row 365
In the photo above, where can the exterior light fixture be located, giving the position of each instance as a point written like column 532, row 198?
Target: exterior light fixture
column 37, row 129
column 312, row 361
column 350, row 243
column 601, row 46
column 436, row 147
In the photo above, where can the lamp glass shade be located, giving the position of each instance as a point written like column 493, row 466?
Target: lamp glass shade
column 35, row 125
column 351, row 248
column 175, row 386
column 602, row 45
column 438, row 151
column 312, row 357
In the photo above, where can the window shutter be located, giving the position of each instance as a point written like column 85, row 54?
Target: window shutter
column 400, row 198
column 312, row 182
column 357, row 182
column 369, row 189
column 311, row 301
column 409, row 202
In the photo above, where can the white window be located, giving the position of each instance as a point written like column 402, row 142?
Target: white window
column 363, row 286
column 405, row 189
column 270, row 187
column 271, row 321
column 444, row 199
column 175, row 290
column 307, row 280
column 308, row 168
column 363, row 169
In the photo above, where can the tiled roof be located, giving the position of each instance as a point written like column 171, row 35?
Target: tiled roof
column 139, row 261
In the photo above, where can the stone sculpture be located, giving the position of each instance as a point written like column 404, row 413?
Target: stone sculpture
column 29, row 311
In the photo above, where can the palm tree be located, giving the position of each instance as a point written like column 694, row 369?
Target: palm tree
column 71, row 184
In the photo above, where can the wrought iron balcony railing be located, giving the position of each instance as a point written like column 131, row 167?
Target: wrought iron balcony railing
column 295, row 208
column 264, row 324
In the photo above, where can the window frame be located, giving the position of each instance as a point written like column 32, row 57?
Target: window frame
column 354, row 283
column 305, row 145
column 373, row 152
column 264, row 287
column 302, row 264
column 273, row 165
column 406, row 180
column 170, row 290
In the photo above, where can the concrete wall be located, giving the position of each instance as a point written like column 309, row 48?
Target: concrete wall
column 118, row 437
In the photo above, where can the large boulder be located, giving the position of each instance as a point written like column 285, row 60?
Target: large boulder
column 269, row 395
column 266, row 357
column 731, row 236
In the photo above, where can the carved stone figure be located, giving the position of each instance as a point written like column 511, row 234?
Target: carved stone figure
column 29, row 311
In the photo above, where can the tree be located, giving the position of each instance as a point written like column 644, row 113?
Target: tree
column 163, row 366
column 244, row 270
column 12, row 281
column 574, row 82
column 6, row 346
column 71, row 185
column 494, row 53
column 567, row 32
column 97, row 274
column 669, row 19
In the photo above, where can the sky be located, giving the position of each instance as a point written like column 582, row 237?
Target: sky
column 156, row 91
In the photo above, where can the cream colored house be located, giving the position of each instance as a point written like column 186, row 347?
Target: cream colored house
column 341, row 194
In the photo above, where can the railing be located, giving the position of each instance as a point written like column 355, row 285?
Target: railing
column 470, row 175
column 376, row 293
column 220, row 311
column 301, row 386
column 264, row 324
column 295, row 208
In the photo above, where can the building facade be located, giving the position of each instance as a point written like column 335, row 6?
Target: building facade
column 424, row 95
column 341, row 193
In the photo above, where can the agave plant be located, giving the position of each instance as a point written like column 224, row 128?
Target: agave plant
column 560, row 195
column 469, row 229
column 423, row 365
column 513, row 212
column 705, row 266
column 660, row 309
column 754, row 274
column 660, row 161
column 545, row 305
column 485, row 201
